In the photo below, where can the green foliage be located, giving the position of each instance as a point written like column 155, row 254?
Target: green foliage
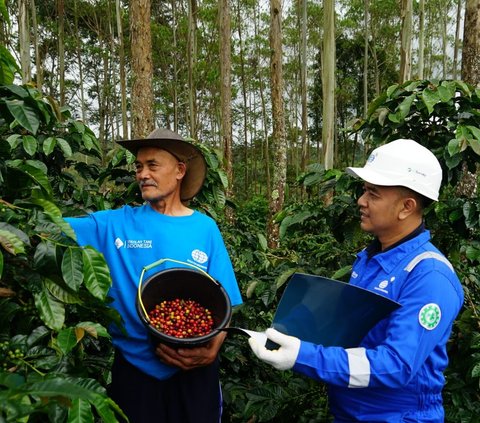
column 55, row 350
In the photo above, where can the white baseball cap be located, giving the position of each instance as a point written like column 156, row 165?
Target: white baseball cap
column 405, row 163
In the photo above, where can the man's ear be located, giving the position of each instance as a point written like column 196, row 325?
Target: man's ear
column 410, row 206
column 182, row 169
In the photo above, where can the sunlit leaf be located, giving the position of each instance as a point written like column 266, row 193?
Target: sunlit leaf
column 51, row 311
column 25, row 115
column 72, row 267
column 96, row 273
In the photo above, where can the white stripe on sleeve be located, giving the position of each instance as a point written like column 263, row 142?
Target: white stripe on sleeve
column 359, row 368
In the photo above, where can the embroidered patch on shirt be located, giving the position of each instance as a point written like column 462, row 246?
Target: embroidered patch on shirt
column 429, row 316
column 199, row 256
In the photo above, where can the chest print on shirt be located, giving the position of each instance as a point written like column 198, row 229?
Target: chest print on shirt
column 383, row 285
column 133, row 243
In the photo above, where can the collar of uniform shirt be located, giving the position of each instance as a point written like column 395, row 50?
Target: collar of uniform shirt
column 375, row 247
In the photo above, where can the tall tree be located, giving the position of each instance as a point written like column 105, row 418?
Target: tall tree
column 121, row 57
column 471, row 43
column 142, row 119
column 279, row 144
column 406, row 14
column 61, row 48
column 328, row 83
column 192, row 60
column 24, row 40
column 365, row 59
column 421, row 38
column 226, row 90
column 303, row 84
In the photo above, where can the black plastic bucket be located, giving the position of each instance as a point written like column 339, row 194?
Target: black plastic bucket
column 186, row 284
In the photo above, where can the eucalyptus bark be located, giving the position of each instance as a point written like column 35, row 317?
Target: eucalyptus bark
column 303, row 85
column 36, row 44
column 24, row 40
column 244, row 94
column 192, row 59
column 328, row 83
column 276, row 199
column 226, row 90
column 365, row 59
column 471, row 43
column 61, row 49
column 421, row 39
column 142, row 71
column 406, row 41
column 457, row 39
column 123, row 81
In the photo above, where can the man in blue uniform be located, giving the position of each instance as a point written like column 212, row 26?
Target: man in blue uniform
column 396, row 373
column 161, row 384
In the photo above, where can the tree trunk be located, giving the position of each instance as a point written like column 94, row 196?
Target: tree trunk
column 38, row 60
column 226, row 90
column 421, row 38
column 244, row 93
column 78, row 49
column 142, row 71
column 365, row 60
column 24, row 40
column 471, row 43
column 192, row 58
column 406, row 41
column 303, row 85
column 61, row 49
column 276, row 199
column 457, row 39
column 328, row 85
column 123, row 81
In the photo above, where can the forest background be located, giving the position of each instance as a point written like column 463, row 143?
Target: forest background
column 280, row 97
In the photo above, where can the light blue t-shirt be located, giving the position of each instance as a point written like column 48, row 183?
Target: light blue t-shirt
column 132, row 238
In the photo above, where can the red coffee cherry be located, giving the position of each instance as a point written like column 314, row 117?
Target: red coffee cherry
column 181, row 318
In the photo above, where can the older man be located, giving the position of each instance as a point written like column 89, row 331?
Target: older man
column 396, row 373
column 161, row 384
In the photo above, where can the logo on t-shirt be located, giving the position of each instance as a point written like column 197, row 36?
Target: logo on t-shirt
column 134, row 243
column 199, row 256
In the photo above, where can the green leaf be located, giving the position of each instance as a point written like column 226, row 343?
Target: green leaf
column 430, row 98
column 60, row 293
column 55, row 215
column 474, row 143
column 30, row 144
column 14, row 140
column 66, row 340
column 96, row 273
column 25, row 115
column 404, row 107
column 72, row 267
column 284, row 277
column 65, row 146
column 51, row 311
column 49, row 145
column 93, row 329
column 263, row 241
column 37, row 176
column 11, row 242
column 80, row 411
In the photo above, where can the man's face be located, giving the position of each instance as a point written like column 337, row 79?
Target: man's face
column 158, row 173
column 380, row 207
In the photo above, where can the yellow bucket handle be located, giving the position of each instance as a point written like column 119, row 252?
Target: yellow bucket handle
column 157, row 263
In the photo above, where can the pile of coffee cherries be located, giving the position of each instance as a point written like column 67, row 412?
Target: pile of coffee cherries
column 181, row 318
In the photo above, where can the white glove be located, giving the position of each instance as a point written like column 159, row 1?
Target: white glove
column 284, row 357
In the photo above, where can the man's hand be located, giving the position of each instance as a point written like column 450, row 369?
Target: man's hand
column 189, row 358
column 284, row 357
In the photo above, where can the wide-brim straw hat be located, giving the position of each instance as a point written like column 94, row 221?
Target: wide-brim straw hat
column 184, row 151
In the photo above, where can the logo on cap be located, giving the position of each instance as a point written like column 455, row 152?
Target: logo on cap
column 372, row 157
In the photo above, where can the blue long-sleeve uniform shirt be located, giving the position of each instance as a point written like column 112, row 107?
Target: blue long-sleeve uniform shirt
column 396, row 374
